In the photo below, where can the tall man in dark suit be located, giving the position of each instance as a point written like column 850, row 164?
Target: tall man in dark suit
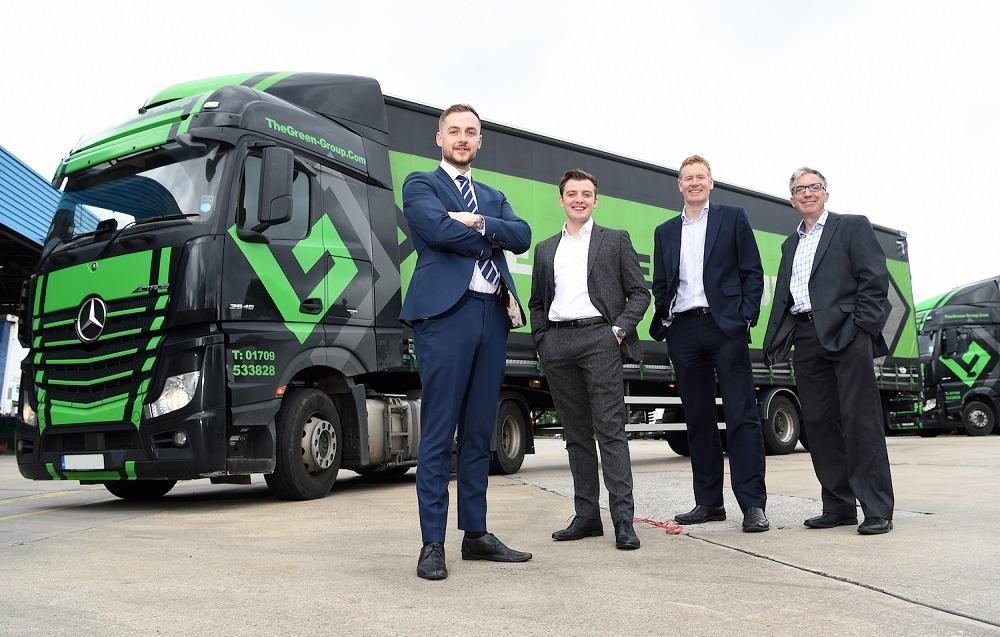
column 461, row 302
column 830, row 302
column 587, row 296
column 708, row 281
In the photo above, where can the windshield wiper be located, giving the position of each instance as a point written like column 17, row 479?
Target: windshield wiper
column 132, row 224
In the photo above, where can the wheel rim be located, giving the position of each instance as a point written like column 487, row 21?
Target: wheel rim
column 319, row 444
column 978, row 418
column 782, row 423
column 510, row 436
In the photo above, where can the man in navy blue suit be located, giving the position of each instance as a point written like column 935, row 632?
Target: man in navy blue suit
column 461, row 303
column 708, row 281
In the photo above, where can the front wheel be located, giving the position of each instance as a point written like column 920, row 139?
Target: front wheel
column 678, row 442
column 309, row 446
column 140, row 490
column 781, row 429
column 512, row 439
column 978, row 418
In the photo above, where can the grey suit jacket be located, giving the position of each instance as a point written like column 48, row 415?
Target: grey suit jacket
column 614, row 280
column 848, row 289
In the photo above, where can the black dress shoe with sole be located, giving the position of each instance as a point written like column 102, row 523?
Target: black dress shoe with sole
column 875, row 526
column 754, row 521
column 579, row 528
column 625, row 537
column 489, row 548
column 701, row 513
column 431, row 563
column 829, row 521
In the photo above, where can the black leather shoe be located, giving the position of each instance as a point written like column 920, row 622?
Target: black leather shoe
column 431, row 565
column 579, row 528
column 875, row 526
column 701, row 513
column 489, row 548
column 754, row 521
column 830, row 520
column 625, row 537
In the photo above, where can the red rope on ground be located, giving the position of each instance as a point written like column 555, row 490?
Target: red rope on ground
column 669, row 526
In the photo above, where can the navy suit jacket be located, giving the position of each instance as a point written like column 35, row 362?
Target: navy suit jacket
column 447, row 250
column 732, row 273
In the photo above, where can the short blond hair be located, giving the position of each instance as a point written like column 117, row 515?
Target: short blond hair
column 695, row 159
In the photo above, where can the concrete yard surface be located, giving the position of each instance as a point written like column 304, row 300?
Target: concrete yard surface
column 233, row 560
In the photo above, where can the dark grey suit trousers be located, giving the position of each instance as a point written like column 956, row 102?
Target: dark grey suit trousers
column 843, row 423
column 584, row 369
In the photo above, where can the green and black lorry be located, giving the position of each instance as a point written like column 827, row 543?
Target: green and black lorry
column 959, row 343
column 236, row 311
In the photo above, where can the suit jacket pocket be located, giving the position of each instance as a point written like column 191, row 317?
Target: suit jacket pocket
column 847, row 307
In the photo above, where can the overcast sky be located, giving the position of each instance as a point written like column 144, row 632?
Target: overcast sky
column 897, row 103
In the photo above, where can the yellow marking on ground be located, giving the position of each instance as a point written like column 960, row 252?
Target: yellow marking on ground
column 38, row 496
column 24, row 515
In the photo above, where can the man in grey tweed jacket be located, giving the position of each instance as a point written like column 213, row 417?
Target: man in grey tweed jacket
column 587, row 296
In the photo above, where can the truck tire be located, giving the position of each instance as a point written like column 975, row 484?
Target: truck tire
column 782, row 427
column 978, row 418
column 140, row 490
column 512, row 439
column 678, row 442
column 309, row 450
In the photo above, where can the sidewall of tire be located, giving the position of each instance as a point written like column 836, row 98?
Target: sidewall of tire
column 500, row 463
column 985, row 406
column 291, row 480
column 772, row 444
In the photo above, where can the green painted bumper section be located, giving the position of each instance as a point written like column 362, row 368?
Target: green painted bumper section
column 92, row 475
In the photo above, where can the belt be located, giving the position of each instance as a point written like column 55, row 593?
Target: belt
column 486, row 296
column 584, row 322
column 695, row 311
column 804, row 316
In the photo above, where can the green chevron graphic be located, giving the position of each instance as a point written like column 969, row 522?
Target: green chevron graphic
column 307, row 253
column 970, row 366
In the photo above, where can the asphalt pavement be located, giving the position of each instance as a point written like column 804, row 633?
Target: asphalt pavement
column 232, row 560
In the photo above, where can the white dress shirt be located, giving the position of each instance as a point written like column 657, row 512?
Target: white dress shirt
column 571, row 300
column 690, row 281
column 478, row 282
column 802, row 264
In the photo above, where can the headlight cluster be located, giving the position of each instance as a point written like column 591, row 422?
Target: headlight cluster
column 177, row 393
column 28, row 414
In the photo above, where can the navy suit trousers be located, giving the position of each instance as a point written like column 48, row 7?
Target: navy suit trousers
column 699, row 351
column 461, row 357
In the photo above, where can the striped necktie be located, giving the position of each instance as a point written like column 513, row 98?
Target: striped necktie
column 486, row 266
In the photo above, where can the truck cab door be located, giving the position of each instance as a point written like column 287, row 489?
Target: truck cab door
column 347, row 240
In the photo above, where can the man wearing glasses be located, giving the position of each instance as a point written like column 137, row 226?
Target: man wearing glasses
column 830, row 302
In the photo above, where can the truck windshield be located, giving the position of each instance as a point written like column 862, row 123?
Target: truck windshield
column 173, row 183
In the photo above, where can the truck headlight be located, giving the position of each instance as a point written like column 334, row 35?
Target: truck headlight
column 177, row 393
column 930, row 404
column 28, row 414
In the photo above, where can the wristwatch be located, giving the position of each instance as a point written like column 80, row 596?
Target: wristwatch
column 479, row 223
column 619, row 332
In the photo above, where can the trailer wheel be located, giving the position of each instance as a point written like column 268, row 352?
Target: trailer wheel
column 978, row 418
column 512, row 439
column 309, row 449
column 781, row 429
column 140, row 490
column 929, row 433
column 678, row 442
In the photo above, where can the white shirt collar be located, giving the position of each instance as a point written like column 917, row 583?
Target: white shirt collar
column 701, row 215
column 454, row 172
column 819, row 224
column 584, row 231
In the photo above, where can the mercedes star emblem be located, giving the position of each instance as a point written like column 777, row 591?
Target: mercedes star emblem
column 91, row 319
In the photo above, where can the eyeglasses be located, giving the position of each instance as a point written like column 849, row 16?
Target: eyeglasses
column 816, row 187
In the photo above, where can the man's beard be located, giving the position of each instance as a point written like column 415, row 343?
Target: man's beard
column 449, row 157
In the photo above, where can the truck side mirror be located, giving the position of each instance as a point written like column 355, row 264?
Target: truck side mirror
column 950, row 342
column 62, row 229
column 275, row 203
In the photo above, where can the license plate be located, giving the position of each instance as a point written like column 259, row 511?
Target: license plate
column 83, row 462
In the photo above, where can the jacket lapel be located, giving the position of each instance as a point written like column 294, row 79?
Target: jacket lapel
column 596, row 237
column 674, row 243
column 712, row 232
column 451, row 189
column 832, row 222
